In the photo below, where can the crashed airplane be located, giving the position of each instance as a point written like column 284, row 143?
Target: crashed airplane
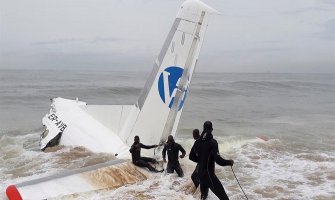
column 111, row 128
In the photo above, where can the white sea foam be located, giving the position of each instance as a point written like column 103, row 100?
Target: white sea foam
column 265, row 170
column 279, row 174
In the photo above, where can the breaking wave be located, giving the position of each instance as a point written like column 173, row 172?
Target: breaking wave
column 265, row 168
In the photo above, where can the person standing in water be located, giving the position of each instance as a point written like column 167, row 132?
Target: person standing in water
column 135, row 151
column 194, row 176
column 172, row 148
column 206, row 154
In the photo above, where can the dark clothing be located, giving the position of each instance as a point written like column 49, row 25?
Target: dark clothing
column 194, row 157
column 144, row 162
column 173, row 152
column 173, row 156
column 206, row 153
column 171, row 167
column 216, row 187
column 195, row 177
column 193, row 153
column 135, row 151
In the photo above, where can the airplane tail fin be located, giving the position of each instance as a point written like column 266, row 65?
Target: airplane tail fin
column 160, row 104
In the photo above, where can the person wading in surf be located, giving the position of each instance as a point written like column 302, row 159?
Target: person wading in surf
column 195, row 176
column 206, row 154
column 173, row 149
column 135, row 151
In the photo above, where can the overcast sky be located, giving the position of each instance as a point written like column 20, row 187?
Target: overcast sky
column 250, row 36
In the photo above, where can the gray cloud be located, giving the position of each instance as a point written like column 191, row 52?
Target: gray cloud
column 328, row 31
column 106, row 40
column 75, row 40
column 256, row 50
column 78, row 60
column 58, row 41
column 306, row 10
column 250, row 36
column 329, row 2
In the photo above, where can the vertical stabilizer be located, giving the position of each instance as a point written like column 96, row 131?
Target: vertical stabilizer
column 160, row 104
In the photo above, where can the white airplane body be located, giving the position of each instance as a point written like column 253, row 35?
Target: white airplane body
column 111, row 128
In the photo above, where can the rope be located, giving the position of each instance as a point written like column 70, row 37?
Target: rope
column 238, row 182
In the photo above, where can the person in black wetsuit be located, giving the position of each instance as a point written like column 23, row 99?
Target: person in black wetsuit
column 206, row 154
column 194, row 176
column 135, row 151
column 172, row 148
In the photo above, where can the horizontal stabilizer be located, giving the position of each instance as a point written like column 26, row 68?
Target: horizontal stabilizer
column 73, row 123
column 112, row 117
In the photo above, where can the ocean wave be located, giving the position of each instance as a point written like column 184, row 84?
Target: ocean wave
column 263, row 84
column 282, row 85
column 266, row 168
column 214, row 92
column 261, row 87
column 280, row 173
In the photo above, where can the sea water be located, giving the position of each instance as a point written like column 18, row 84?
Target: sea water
column 295, row 113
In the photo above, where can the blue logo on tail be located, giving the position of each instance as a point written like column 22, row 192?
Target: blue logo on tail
column 167, row 85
